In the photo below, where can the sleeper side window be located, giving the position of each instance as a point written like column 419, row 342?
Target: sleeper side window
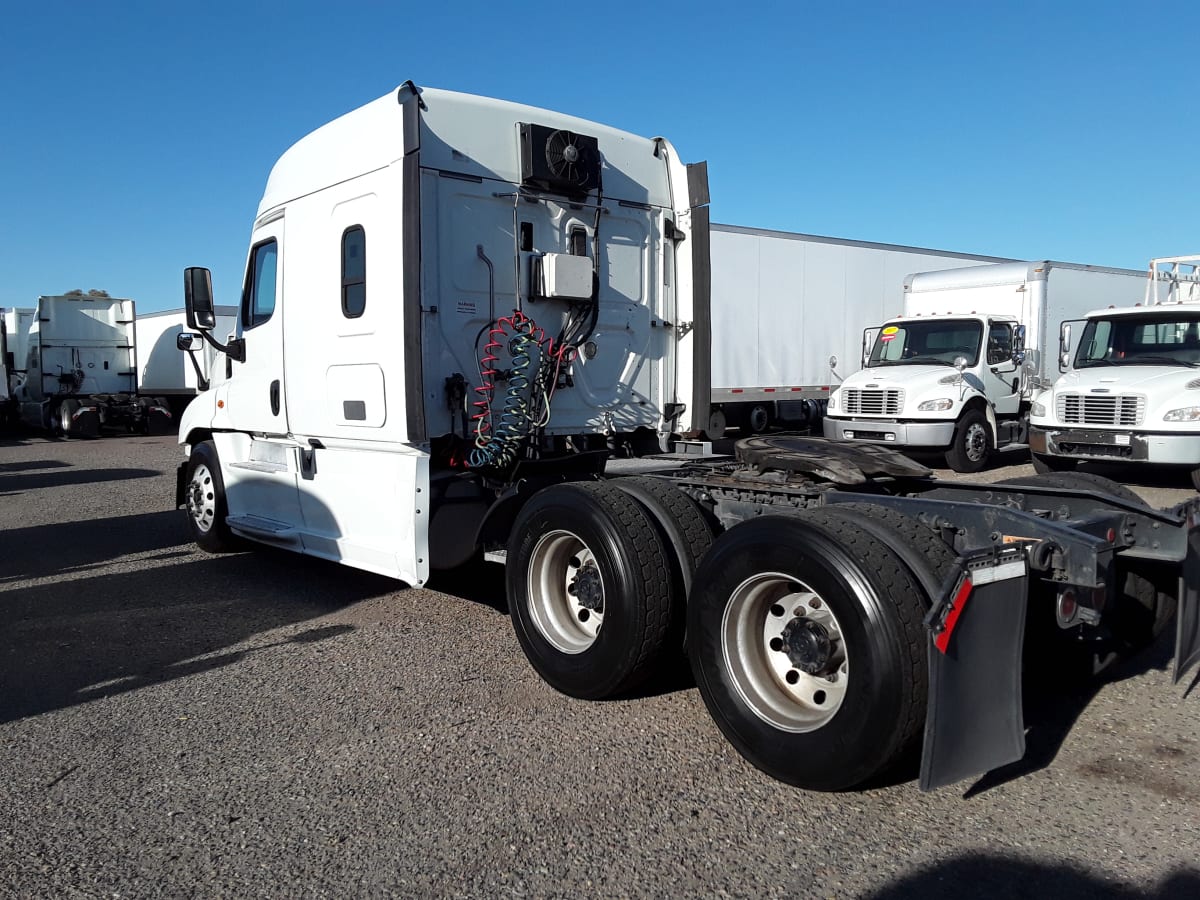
column 354, row 272
column 258, row 299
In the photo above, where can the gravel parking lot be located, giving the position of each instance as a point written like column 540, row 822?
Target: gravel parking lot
column 261, row 724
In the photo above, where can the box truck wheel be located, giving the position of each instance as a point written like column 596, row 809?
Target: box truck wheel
column 589, row 588
column 1196, row 479
column 972, row 444
column 806, row 640
column 1145, row 603
column 204, row 496
column 1043, row 464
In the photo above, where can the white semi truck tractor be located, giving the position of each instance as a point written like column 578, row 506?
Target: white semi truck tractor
column 956, row 373
column 1131, row 388
column 456, row 310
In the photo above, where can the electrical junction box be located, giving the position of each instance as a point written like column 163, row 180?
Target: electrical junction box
column 566, row 277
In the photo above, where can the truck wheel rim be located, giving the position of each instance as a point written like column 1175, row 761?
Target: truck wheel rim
column 64, row 418
column 566, row 592
column 976, row 442
column 785, row 652
column 202, row 498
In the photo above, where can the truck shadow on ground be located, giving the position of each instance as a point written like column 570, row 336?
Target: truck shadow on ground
column 19, row 483
column 985, row 876
column 80, row 640
column 61, row 547
column 32, row 464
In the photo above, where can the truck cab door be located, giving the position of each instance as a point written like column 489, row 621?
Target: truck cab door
column 1001, row 372
column 255, row 398
column 260, row 460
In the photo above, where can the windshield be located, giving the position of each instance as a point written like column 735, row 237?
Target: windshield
column 937, row 342
column 1141, row 341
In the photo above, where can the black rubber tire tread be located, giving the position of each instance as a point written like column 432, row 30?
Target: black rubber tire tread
column 66, row 409
column 1146, row 611
column 941, row 561
column 1045, row 465
column 218, row 539
column 694, row 531
column 956, row 456
column 875, row 727
column 635, row 565
column 1195, row 475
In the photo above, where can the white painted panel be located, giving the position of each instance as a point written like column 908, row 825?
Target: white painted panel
column 354, row 395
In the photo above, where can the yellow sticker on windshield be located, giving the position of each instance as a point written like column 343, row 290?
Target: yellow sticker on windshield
column 889, row 333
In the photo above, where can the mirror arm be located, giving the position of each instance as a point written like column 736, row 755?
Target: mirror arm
column 202, row 383
column 235, row 349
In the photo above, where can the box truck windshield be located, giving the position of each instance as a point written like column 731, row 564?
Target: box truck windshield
column 1141, row 341
column 927, row 343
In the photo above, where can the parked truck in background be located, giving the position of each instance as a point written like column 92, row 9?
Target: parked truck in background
column 787, row 317
column 457, row 310
column 164, row 369
column 957, row 372
column 1131, row 389
column 80, row 369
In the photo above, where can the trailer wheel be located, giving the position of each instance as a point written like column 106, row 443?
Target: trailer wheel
column 589, row 589
column 807, row 644
column 717, row 424
column 1044, row 465
column 1142, row 612
column 758, row 419
column 205, row 500
column 1196, row 479
column 972, row 446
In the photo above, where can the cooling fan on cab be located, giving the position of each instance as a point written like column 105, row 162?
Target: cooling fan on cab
column 559, row 161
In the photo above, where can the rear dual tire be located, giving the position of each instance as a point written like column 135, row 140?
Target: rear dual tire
column 807, row 643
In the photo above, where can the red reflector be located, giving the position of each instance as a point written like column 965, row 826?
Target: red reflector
column 768, row 390
column 825, row 388
column 793, row 390
column 1112, row 535
column 737, row 390
column 942, row 641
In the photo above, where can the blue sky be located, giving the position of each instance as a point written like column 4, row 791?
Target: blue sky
column 136, row 137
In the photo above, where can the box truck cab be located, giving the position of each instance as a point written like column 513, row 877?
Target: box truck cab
column 957, row 371
column 1131, row 388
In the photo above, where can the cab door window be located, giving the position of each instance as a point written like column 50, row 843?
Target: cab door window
column 258, row 299
column 999, row 345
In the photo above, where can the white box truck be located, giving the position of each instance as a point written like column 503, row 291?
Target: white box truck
column 957, row 372
column 787, row 318
column 80, row 371
column 1131, row 392
column 167, row 371
column 457, row 309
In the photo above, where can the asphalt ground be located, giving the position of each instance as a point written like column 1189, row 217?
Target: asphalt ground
column 262, row 724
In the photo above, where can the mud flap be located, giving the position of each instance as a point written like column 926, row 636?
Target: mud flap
column 975, row 721
column 1187, row 617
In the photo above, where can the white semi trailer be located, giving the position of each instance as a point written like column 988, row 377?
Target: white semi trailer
column 1131, row 392
column 167, row 371
column 80, row 369
column 957, row 372
column 787, row 318
column 457, row 309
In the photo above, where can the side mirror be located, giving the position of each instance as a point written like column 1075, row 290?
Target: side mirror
column 185, row 341
column 198, row 298
column 1064, row 346
column 1018, row 344
column 867, row 344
